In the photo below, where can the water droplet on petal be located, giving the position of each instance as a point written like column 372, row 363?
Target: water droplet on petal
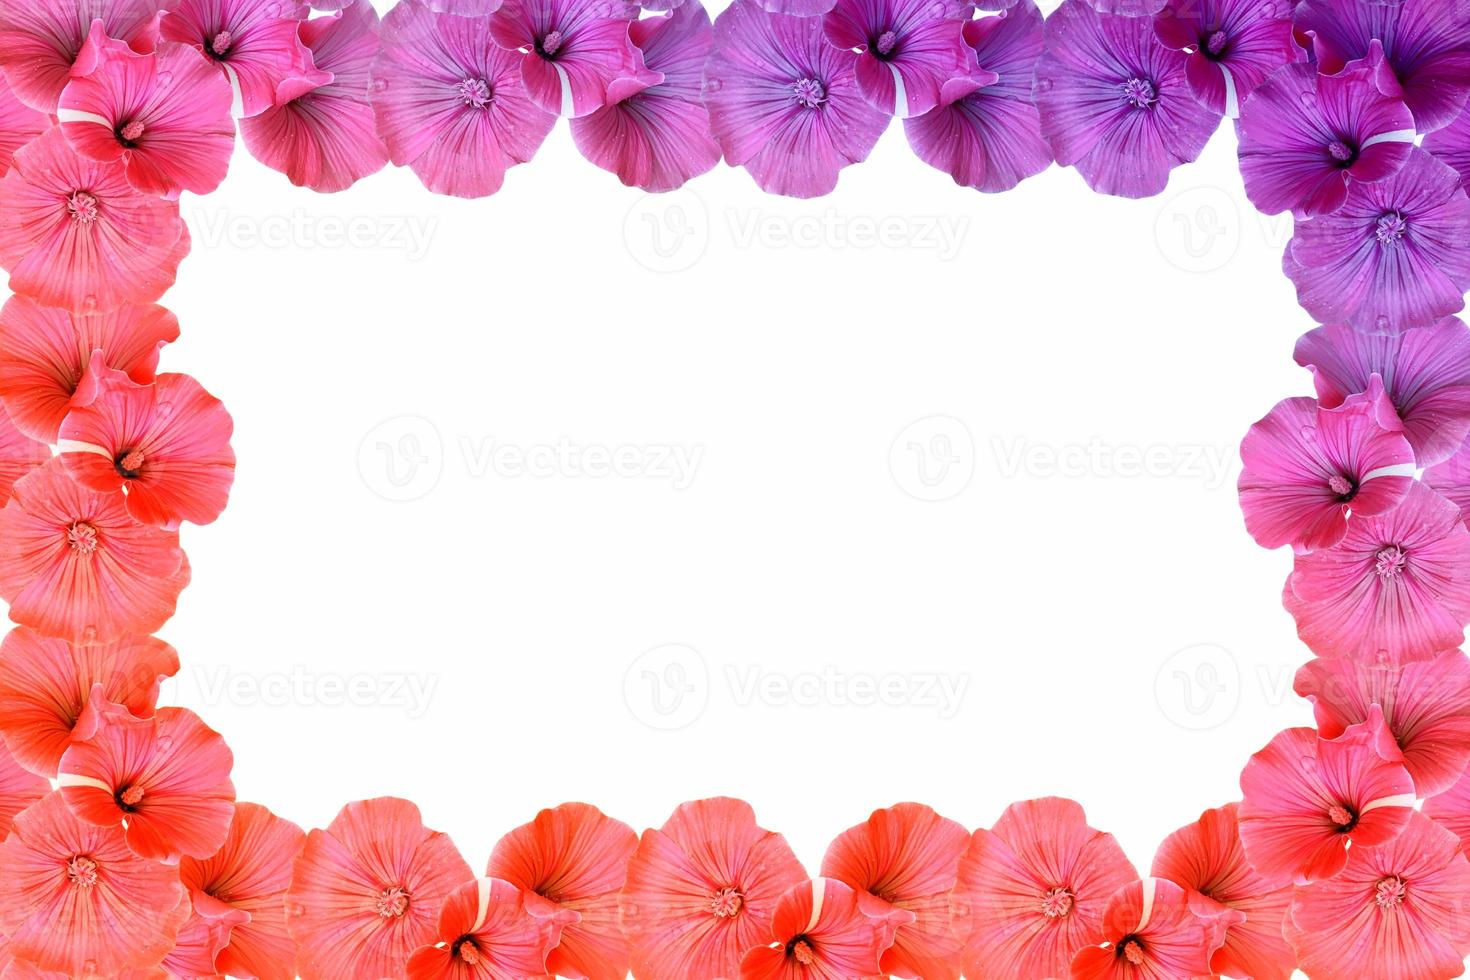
column 165, row 79
column 1309, row 433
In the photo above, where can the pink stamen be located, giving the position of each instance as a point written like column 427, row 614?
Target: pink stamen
column 1217, row 42
column 1132, row 951
column 82, row 207
column 133, row 131
column 1057, row 903
column 1341, row 816
column 802, row 952
column 551, row 43
column 474, row 92
column 810, row 93
column 131, row 796
column 887, row 41
column 221, row 43
column 1390, row 562
column 82, row 871
column 1391, row 228
column 726, row 903
column 1390, row 893
column 393, row 903
column 82, row 537
column 1140, row 93
column 1339, row 485
column 1340, row 151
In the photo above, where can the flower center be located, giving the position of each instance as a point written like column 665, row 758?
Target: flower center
column 1390, row 893
column 82, row 207
column 1342, row 153
column 1341, row 486
column 887, row 41
column 1140, row 93
column 130, row 464
column 1391, row 228
column 393, row 903
column 130, row 797
column 1131, row 949
column 1390, row 562
column 82, row 537
column 81, row 871
column 726, row 903
column 220, row 44
column 132, row 132
column 474, row 92
column 1344, row 818
column 810, row 93
column 467, row 951
column 1057, row 903
column 550, row 44
column 801, row 951
column 1216, row 43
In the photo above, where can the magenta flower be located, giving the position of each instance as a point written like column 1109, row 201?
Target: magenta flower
column 657, row 137
column 1452, row 145
column 907, row 49
column 450, row 104
column 1233, row 46
column 1115, row 102
column 1395, row 256
column 571, row 51
column 40, row 41
column 255, row 43
column 1451, row 479
column 1419, row 49
column 1304, row 137
column 784, row 103
column 19, row 124
column 986, row 132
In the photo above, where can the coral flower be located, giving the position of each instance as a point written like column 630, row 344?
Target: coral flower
column 164, row 116
column 1233, row 46
column 821, row 930
column 1207, row 860
column 19, row 454
column 326, row 138
column 46, row 690
column 1115, row 103
column 1394, row 911
column 1398, row 584
column 784, row 103
column 1153, row 932
column 75, row 565
column 1426, row 373
column 658, row 137
column 985, row 132
column 907, row 50
column 249, row 876
column 45, row 354
column 575, row 858
column 487, row 931
column 366, row 892
column 1032, row 890
column 1307, row 798
column 1306, row 468
column 1395, row 256
column 40, row 42
column 906, row 858
column 19, row 788
column 571, row 51
column 701, row 891
column 451, row 104
column 1451, row 480
column 75, row 234
column 1451, row 809
column 202, row 937
column 254, row 43
column 75, row 900
column 19, row 124
column 1452, row 145
column 166, row 444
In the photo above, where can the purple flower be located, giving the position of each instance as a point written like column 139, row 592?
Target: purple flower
column 1451, row 479
column 1114, row 102
column 907, row 49
column 986, row 132
column 784, row 103
column 450, row 103
column 1452, row 145
column 1305, row 137
column 1233, row 46
column 571, row 50
column 1395, row 256
column 657, row 138
column 1419, row 49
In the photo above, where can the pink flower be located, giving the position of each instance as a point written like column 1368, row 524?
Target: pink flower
column 450, row 104
column 75, row 900
column 575, row 858
column 75, row 234
column 1397, row 584
column 75, row 565
column 1233, row 46
column 254, row 43
column 906, row 858
column 166, row 444
column 1398, row 910
column 326, row 138
column 19, row 454
column 702, row 889
column 488, row 931
column 1032, row 890
column 907, row 50
column 366, row 892
column 19, row 124
column 1452, row 145
column 821, row 930
column 249, row 875
column 45, row 354
column 571, row 51
column 203, row 936
column 1451, row 480
column 1308, row 798
column 19, row 788
column 1207, row 860
column 1153, row 933
column 164, row 116
column 46, row 690
column 1451, row 810
column 39, row 42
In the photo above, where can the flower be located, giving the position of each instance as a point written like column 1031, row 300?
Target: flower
column 326, row 137
column 19, row 124
column 1451, row 810
column 1397, row 584
column 1115, row 102
column 574, row 857
column 821, row 928
column 1426, row 373
column 75, row 234
column 203, row 936
column 906, row 858
column 1305, row 137
column 1452, row 145
column 39, row 42
column 1395, row 911
column 1233, row 46
column 906, row 50
column 1419, row 49
column 19, row 788
column 46, row 690
column 1152, row 931
column 657, row 137
column 784, row 103
column 1451, row 479
column 254, row 44
column 487, row 929
column 1031, row 891
column 75, row 900
column 701, row 890
column 1207, row 860
column 571, row 51
column 249, row 874
column 45, row 354
column 75, row 566
column 1307, row 799
column 1395, row 256
column 986, row 132
column 366, row 892
column 19, row 454
column 451, row 104
column 166, row 444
